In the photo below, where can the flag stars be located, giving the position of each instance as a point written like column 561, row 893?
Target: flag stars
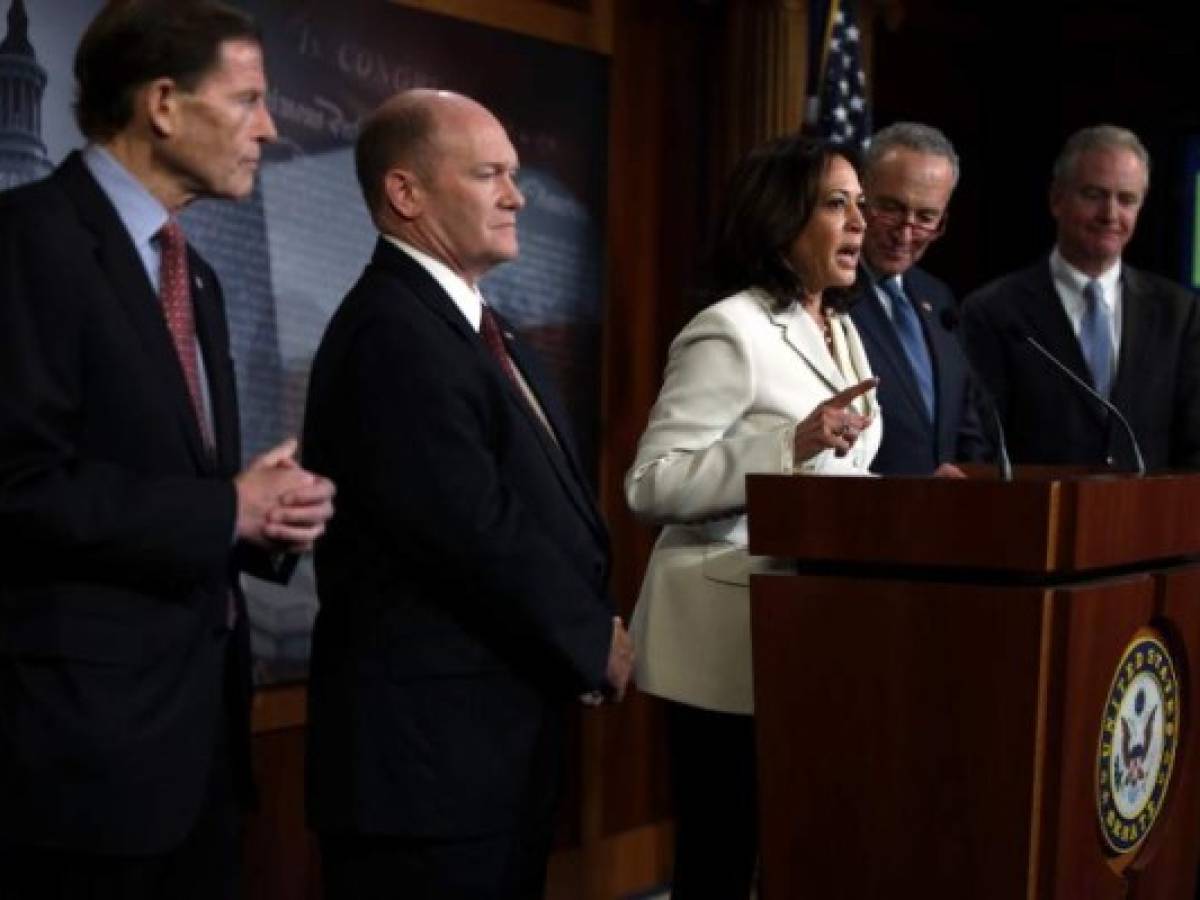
column 845, row 115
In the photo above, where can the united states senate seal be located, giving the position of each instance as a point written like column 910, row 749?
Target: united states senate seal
column 1138, row 737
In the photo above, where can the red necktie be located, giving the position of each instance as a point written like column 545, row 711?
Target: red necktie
column 489, row 328
column 176, row 297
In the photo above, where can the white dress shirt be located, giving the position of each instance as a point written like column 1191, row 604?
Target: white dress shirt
column 1069, row 282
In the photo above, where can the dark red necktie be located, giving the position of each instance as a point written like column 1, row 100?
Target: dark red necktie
column 176, row 296
column 489, row 328
column 177, row 309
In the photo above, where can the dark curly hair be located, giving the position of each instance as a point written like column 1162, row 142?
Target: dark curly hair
column 770, row 198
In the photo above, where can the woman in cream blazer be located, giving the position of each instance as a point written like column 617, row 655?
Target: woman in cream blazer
column 771, row 378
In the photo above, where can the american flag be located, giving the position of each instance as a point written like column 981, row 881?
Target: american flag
column 843, row 115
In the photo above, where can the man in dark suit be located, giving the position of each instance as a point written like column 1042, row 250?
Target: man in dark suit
column 1133, row 336
column 124, row 670
column 463, row 583
column 903, row 313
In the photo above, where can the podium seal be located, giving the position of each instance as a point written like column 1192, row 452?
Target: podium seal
column 1138, row 737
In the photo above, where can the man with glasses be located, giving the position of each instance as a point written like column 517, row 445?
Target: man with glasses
column 903, row 313
column 1133, row 336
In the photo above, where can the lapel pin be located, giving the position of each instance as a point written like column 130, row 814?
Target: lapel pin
column 926, row 306
column 199, row 283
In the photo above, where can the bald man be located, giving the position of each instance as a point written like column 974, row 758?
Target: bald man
column 463, row 587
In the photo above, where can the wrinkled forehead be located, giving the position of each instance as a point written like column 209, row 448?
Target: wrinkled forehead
column 236, row 59
column 904, row 169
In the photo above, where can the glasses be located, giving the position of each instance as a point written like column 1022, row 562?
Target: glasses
column 925, row 223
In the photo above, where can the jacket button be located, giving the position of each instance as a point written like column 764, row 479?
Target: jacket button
column 1111, row 462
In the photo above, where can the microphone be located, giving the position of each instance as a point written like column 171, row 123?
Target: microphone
column 1019, row 334
column 949, row 320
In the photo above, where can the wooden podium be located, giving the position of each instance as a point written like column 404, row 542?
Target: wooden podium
column 938, row 703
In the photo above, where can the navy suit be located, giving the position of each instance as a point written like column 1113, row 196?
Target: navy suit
column 1048, row 419
column 463, row 582
column 912, row 444
column 119, row 680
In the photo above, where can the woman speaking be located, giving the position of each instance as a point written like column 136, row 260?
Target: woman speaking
column 771, row 377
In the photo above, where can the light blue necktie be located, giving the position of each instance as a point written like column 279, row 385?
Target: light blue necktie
column 912, row 339
column 1095, row 337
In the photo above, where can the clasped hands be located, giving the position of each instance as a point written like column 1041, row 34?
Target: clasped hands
column 280, row 505
column 832, row 424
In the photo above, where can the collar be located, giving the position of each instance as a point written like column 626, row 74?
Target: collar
column 139, row 211
column 1071, row 282
column 466, row 297
column 881, row 296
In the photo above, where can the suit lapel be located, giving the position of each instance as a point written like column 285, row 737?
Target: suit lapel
column 119, row 259
column 805, row 342
column 432, row 295
column 421, row 283
column 561, row 454
column 553, row 446
column 1047, row 321
column 1137, row 323
column 213, row 336
column 942, row 349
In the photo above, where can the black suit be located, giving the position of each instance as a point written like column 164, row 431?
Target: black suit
column 912, row 444
column 1050, row 420
column 116, row 680
column 462, row 582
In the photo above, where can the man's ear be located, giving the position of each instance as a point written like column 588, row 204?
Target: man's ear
column 159, row 103
column 404, row 193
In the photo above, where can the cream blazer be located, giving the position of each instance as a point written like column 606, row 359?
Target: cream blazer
column 738, row 379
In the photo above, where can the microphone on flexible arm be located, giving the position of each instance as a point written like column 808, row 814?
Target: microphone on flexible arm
column 949, row 320
column 1017, row 333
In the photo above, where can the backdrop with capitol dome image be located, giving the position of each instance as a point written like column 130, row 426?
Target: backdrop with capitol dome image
column 288, row 254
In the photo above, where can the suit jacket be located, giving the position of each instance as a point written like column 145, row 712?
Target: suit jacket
column 463, row 582
column 739, row 377
column 1047, row 418
column 118, row 536
column 912, row 444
